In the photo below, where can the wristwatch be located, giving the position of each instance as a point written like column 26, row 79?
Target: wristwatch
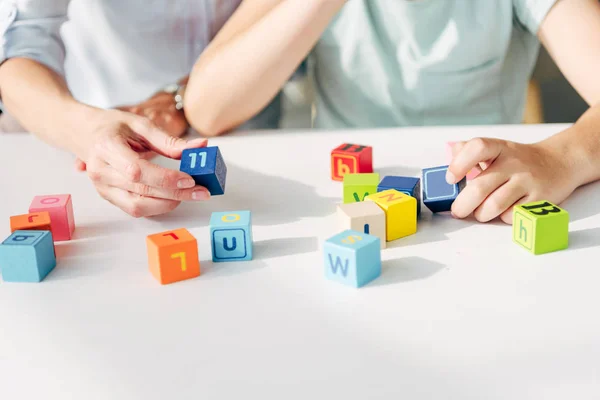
column 177, row 90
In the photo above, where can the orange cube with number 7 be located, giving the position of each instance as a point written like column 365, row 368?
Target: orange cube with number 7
column 30, row 222
column 173, row 256
column 351, row 158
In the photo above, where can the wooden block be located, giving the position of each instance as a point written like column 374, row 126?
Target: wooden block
column 173, row 256
column 438, row 195
column 207, row 167
column 407, row 185
column 472, row 174
column 352, row 258
column 60, row 208
column 400, row 213
column 359, row 186
column 541, row 227
column 35, row 222
column 231, row 236
column 351, row 158
column 366, row 217
column 27, row 256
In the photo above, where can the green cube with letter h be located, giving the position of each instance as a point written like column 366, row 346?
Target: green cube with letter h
column 352, row 258
column 541, row 227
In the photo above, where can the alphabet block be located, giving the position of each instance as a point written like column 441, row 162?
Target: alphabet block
column 359, row 186
column 472, row 174
column 407, row 185
column 173, row 256
column 35, row 222
column 400, row 213
column 541, row 227
column 366, row 217
column 231, row 236
column 438, row 195
column 351, row 158
column 207, row 167
column 60, row 208
column 352, row 258
column 27, row 256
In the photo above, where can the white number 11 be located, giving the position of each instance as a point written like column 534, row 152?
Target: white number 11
column 202, row 160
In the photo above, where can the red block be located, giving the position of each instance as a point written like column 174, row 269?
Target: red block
column 60, row 209
column 351, row 158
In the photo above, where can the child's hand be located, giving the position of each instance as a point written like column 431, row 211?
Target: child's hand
column 513, row 173
column 115, row 162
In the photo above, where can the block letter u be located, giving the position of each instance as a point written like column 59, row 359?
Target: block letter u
column 233, row 244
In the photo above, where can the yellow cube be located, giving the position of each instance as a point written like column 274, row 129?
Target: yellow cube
column 400, row 213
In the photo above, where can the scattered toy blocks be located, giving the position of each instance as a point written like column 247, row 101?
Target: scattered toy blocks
column 359, row 186
column 541, row 227
column 472, row 174
column 27, row 256
column 231, row 236
column 352, row 258
column 60, row 208
column 35, row 222
column 173, row 256
column 207, row 167
column 400, row 213
column 351, row 159
column 366, row 217
column 407, row 185
column 438, row 195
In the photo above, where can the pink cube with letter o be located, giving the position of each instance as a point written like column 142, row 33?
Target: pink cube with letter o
column 60, row 208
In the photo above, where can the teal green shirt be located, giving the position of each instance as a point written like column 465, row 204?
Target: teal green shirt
column 386, row 63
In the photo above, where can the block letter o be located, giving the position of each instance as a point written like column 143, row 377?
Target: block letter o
column 230, row 218
column 50, row 200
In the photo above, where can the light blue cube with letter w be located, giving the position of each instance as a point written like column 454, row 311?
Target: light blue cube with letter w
column 352, row 258
column 231, row 236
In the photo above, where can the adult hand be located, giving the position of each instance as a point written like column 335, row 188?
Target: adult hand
column 115, row 158
column 512, row 173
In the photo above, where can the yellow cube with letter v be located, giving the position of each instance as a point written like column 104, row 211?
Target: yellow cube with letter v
column 352, row 258
column 541, row 227
column 400, row 213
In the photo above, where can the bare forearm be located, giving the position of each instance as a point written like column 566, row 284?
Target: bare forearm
column 40, row 100
column 234, row 80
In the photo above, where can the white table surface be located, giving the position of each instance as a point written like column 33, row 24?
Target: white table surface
column 460, row 311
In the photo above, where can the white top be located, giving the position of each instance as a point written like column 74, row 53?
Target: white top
column 460, row 311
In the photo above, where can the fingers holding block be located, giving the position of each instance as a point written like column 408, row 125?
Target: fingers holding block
column 472, row 174
column 352, row 258
column 231, row 236
column 60, row 208
column 351, row 158
column 35, row 222
column 438, row 195
column 366, row 217
column 27, row 256
column 541, row 227
column 400, row 213
column 173, row 256
column 359, row 186
column 207, row 167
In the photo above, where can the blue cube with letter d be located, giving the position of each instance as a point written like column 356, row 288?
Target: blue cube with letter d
column 27, row 256
column 231, row 236
column 207, row 167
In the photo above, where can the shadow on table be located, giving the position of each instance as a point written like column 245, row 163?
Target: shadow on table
column 72, row 258
column 274, row 248
column 407, row 269
column 584, row 238
column 273, row 200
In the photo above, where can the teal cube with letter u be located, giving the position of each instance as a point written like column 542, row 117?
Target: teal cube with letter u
column 352, row 258
column 231, row 236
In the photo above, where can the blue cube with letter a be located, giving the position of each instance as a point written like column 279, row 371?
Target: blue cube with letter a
column 207, row 167
column 27, row 256
column 438, row 195
column 408, row 185
column 231, row 236
column 352, row 258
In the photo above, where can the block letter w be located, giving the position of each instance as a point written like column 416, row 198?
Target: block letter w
column 338, row 264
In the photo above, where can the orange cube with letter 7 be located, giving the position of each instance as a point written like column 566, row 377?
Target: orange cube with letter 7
column 30, row 222
column 351, row 158
column 173, row 256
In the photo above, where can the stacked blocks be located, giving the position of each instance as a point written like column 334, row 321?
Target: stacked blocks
column 359, row 186
column 438, row 195
column 60, row 208
column 400, row 213
column 35, row 222
column 351, row 159
column 231, row 236
column 173, row 256
column 407, row 185
column 366, row 217
column 541, row 227
column 352, row 258
column 27, row 256
column 207, row 167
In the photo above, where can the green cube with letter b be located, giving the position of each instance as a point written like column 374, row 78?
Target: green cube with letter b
column 541, row 227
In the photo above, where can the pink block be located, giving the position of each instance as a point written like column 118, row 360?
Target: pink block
column 472, row 174
column 60, row 208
